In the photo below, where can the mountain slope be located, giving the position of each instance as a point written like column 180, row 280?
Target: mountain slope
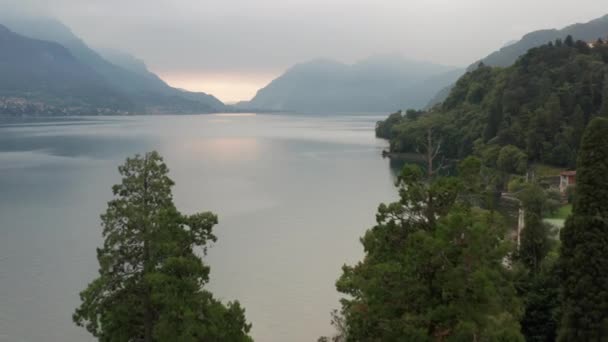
column 508, row 54
column 379, row 83
column 155, row 83
column 146, row 90
column 418, row 95
column 41, row 77
column 540, row 105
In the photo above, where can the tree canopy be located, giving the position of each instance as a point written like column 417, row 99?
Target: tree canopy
column 539, row 105
column 584, row 258
column 433, row 268
column 151, row 280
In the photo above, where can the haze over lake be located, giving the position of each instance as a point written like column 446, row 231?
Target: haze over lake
column 293, row 195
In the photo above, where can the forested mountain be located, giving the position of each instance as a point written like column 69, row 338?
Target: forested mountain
column 540, row 106
column 509, row 53
column 381, row 83
column 40, row 77
column 145, row 90
column 434, row 262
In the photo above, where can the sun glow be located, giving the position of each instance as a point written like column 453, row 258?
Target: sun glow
column 229, row 88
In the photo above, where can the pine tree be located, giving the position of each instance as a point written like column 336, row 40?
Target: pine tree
column 584, row 257
column 150, row 279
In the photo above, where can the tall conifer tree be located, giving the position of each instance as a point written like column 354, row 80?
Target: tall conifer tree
column 584, row 251
column 150, row 284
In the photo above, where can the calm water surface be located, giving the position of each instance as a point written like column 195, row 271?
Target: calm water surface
column 293, row 195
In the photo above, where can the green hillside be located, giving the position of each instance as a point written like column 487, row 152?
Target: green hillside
column 538, row 107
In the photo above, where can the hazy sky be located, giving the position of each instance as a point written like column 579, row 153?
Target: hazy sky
column 231, row 48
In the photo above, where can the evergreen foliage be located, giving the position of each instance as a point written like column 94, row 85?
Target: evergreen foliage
column 150, row 284
column 433, row 269
column 540, row 293
column 584, row 255
column 539, row 105
column 536, row 239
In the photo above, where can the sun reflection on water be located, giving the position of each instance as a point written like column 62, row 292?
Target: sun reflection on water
column 235, row 114
column 224, row 149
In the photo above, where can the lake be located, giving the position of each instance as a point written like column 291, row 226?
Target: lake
column 293, row 193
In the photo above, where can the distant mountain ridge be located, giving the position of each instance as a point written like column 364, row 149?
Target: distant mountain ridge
column 508, row 54
column 41, row 77
column 379, row 83
column 540, row 105
column 146, row 91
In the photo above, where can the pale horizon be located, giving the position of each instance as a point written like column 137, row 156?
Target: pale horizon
column 229, row 88
column 248, row 43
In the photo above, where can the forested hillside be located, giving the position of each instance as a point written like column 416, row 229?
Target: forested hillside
column 508, row 54
column 538, row 107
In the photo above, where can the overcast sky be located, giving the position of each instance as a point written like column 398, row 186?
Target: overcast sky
column 231, row 48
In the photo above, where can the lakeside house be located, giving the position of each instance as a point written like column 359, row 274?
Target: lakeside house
column 566, row 179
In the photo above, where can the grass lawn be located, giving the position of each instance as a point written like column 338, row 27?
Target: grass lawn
column 544, row 170
column 562, row 213
column 557, row 223
column 559, row 217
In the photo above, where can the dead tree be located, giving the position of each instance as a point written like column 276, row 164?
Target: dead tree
column 431, row 150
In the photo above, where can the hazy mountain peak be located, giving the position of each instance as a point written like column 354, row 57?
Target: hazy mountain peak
column 391, row 58
column 379, row 83
column 316, row 63
column 121, row 71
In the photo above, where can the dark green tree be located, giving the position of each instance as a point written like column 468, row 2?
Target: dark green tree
column 512, row 160
column 540, row 292
column 537, row 281
column 150, row 284
column 433, row 269
column 535, row 238
column 540, row 105
column 384, row 128
column 538, row 284
column 584, row 259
